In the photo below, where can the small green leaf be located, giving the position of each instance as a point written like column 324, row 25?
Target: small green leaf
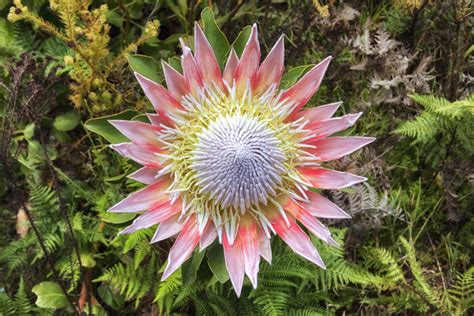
column 292, row 76
column 136, row 10
column 216, row 262
column 49, row 295
column 141, row 118
column 66, row 122
column 145, row 66
column 173, row 40
column 189, row 268
column 29, row 130
column 110, row 297
column 117, row 218
column 241, row 40
column 87, row 260
column 175, row 62
column 114, row 18
column 177, row 9
column 115, row 178
column 216, row 38
column 102, row 126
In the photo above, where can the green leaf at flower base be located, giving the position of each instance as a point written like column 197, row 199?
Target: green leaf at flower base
column 117, row 218
column 141, row 118
column 49, row 295
column 175, row 62
column 216, row 262
column 67, row 121
column 145, row 66
column 216, row 37
column 190, row 267
column 241, row 40
column 292, row 76
column 102, row 126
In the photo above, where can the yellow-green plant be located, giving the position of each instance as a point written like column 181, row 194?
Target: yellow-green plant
column 93, row 68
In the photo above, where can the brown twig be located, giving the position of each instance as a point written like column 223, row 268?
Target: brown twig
column 63, row 210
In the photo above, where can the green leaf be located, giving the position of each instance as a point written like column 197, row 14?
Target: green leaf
column 190, row 267
column 115, row 178
column 114, row 18
column 241, row 40
column 87, row 260
column 29, row 130
column 109, row 297
column 49, row 295
column 141, row 118
column 136, row 10
column 175, row 62
column 292, row 76
column 216, row 38
column 177, row 9
column 216, row 262
column 102, row 126
column 145, row 66
column 66, row 122
column 117, row 218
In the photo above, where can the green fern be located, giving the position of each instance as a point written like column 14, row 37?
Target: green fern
column 166, row 290
column 6, row 305
column 442, row 116
column 271, row 301
column 461, row 293
column 420, row 282
column 15, row 255
column 384, row 263
column 21, row 302
column 19, row 305
column 132, row 283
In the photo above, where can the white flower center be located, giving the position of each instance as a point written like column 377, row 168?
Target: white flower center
column 238, row 161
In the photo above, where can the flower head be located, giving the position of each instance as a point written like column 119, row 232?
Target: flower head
column 229, row 156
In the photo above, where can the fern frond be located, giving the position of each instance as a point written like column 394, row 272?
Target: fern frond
column 306, row 312
column 429, row 102
column 166, row 292
column 15, row 254
column 422, row 128
column 19, row 305
column 202, row 307
column 136, row 238
column 221, row 305
column 383, row 261
column 132, row 283
column 420, row 282
column 439, row 116
column 271, row 302
column 462, row 293
column 22, row 303
column 6, row 305
column 184, row 293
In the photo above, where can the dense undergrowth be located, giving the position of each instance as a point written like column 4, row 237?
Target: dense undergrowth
column 408, row 249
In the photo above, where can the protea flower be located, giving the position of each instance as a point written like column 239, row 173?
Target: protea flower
column 230, row 157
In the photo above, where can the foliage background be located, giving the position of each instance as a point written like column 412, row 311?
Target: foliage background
column 407, row 64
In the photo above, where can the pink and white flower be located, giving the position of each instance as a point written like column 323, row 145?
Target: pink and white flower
column 229, row 156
